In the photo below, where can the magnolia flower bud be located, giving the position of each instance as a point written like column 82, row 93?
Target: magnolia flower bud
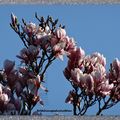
column 116, row 65
column 8, row 65
column 14, row 19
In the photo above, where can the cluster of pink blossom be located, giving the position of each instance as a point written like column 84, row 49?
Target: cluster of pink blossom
column 89, row 74
column 8, row 103
column 51, row 41
column 43, row 43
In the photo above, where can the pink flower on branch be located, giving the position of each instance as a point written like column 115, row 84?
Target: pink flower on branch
column 60, row 33
column 8, row 66
column 29, row 54
column 30, row 29
column 43, row 44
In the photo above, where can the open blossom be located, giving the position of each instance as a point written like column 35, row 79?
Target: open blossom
column 42, row 41
column 42, row 37
column 8, row 66
column 98, row 58
column 76, row 75
column 23, row 55
column 4, row 98
column 105, row 88
column 70, row 45
column 89, row 83
column 29, row 54
column 60, row 33
column 75, row 58
column 7, row 91
column 59, row 50
column 30, row 29
column 77, row 53
column 99, row 73
column 58, row 46
column 85, row 81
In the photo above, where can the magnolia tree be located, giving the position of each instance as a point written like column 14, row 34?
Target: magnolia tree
column 43, row 43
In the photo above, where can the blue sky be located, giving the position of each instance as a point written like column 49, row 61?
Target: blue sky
column 94, row 27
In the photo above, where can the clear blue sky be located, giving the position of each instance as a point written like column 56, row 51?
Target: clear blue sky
column 94, row 27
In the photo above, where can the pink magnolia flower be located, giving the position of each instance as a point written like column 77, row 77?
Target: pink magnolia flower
column 60, row 33
column 105, row 88
column 8, row 66
column 7, row 91
column 89, row 83
column 77, row 53
column 59, row 46
column 24, row 55
column 28, row 54
column 70, row 45
column 98, row 58
column 43, row 42
column 116, row 68
column 33, row 51
column 99, row 73
column 30, row 29
column 76, row 75
column 75, row 58
column 4, row 98
column 58, row 53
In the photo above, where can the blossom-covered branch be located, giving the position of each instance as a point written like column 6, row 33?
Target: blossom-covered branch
column 43, row 43
column 91, row 83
